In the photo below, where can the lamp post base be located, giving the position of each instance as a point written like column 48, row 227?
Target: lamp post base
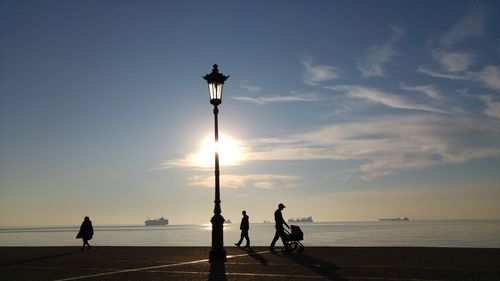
column 217, row 255
column 217, row 252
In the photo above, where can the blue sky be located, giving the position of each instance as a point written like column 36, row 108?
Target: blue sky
column 342, row 110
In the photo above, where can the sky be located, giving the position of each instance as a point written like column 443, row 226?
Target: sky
column 341, row 110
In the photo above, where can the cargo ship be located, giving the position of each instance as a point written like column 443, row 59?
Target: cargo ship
column 308, row 219
column 156, row 222
column 395, row 219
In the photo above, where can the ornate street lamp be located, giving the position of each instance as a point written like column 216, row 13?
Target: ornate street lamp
column 215, row 82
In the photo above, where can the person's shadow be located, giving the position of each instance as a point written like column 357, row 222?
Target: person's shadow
column 51, row 256
column 321, row 267
column 217, row 271
column 252, row 253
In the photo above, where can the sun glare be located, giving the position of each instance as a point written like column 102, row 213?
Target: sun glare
column 230, row 152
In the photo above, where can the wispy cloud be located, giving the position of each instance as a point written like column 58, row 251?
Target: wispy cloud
column 279, row 99
column 391, row 144
column 251, row 88
column 377, row 96
column 372, row 64
column 315, row 74
column 454, row 61
column 489, row 76
column 439, row 74
column 470, row 26
column 262, row 181
column 492, row 106
column 428, row 90
column 455, row 64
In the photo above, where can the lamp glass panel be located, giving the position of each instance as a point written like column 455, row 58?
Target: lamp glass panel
column 219, row 90
column 215, row 90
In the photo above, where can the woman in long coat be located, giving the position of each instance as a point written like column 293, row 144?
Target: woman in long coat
column 86, row 232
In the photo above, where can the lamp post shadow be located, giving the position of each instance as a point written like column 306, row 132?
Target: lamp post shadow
column 217, row 271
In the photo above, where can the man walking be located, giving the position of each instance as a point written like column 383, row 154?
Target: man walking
column 244, row 226
column 280, row 231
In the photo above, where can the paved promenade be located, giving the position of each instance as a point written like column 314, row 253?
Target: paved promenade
column 190, row 263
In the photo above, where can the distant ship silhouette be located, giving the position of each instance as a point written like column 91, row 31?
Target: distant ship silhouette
column 395, row 219
column 308, row 219
column 156, row 222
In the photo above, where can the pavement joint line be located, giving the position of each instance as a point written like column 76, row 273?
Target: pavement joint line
column 416, row 267
column 154, row 267
column 298, row 276
column 247, row 274
column 269, row 264
column 390, row 278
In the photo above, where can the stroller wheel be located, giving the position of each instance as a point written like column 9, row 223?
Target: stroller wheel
column 286, row 250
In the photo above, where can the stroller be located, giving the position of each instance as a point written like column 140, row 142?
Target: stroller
column 292, row 239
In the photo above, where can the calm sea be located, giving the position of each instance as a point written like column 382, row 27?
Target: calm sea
column 450, row 233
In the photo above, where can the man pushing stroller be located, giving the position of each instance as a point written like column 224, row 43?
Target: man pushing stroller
column 279, row 225
column 291, row 239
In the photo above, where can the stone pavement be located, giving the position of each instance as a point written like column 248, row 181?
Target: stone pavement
column 257, row 263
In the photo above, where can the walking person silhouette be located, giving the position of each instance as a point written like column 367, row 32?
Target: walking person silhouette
column 280, row 231
column 86, row 232
column 244, row 226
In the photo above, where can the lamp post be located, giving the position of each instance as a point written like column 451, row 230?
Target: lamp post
column 215, row 82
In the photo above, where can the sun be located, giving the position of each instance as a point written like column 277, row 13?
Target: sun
column 230, row 152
